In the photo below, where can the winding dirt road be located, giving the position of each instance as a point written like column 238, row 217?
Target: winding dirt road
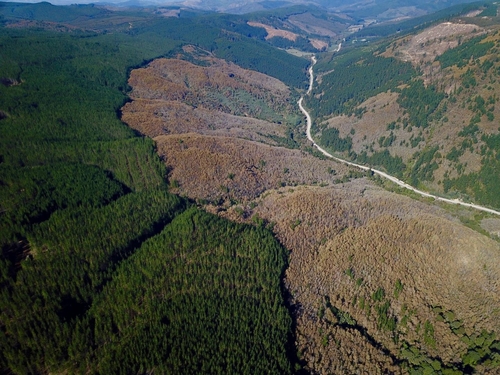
column 375, row 171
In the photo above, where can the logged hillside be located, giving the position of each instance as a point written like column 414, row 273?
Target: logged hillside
column 219, row 169
column 425, row 110
column 301, row 28
column 304, row 28
column 176, row 96
column 225, row 133
column 382, row 283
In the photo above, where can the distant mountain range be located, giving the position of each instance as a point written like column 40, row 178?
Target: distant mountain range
column 378, row 9
column 365, row 8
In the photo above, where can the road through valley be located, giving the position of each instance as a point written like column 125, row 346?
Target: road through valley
column 375, row 171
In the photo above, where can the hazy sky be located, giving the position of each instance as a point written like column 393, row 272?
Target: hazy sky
column 67, row 2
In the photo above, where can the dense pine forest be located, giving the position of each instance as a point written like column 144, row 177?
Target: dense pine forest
column 102, row 269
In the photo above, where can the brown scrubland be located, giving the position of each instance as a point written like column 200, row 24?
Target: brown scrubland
column 375, row 278
column 347, row 241
column 272, row 31
column 222, row 168
column 172, row 96
column 158, row 117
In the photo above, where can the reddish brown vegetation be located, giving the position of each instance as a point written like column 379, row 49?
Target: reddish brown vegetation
column 347, row 241
column 272, row 31
column 171, row 79
column 157, row 117
column 175, row 96
column 216, row 168
column 208, row 147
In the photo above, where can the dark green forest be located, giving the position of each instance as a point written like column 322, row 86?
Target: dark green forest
column 102, row 270
column 354, row 77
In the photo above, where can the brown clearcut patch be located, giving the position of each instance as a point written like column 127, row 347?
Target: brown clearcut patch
column 272, row 31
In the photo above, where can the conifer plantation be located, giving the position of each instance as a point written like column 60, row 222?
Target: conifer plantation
column 102, row 270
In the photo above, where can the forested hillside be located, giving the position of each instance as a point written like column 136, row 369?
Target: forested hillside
column 85, row 207
column 423, row 106
column 420, row 22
